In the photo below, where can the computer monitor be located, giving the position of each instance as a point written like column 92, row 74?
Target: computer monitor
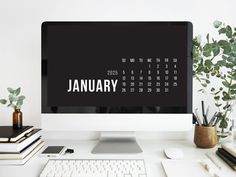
column 117, row 76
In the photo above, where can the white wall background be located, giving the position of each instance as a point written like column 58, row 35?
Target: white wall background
column 20, row 30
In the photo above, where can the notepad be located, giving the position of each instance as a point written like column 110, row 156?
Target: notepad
column 184, row 168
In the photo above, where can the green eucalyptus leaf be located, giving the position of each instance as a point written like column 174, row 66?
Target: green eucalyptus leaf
column 228, row 31
column 213, row 73
column 226, row 96
column 201, row 90
column 233, row 86
column 231, row 40
column 215, row 49
column 218, row 105
column 201, row 62
column 230, row 65
column 217, row 67
column 233, row 92
column 204, row 84
column 207, row 50
column 208, row 63
column 226, row 84
column 17, row 91
column 10, row 90
column 206, row 70
column 217, row 97
column 220, row 63
column 231, row 59
column 11, row 98
column 20, row 102
column 21, row 97
column 234, row 46
column 3, row 101
column 217, row 24
column 234, row 76
column 227, row 51
column 225, row 45
column 213, row 89
column 207, row 37
column 222, row 31
column 200, row 69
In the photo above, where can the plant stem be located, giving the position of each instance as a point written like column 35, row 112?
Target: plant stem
column 226, row 106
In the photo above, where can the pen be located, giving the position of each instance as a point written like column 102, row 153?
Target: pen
column 197, row 116
column 203, row 114
column 213, row 161
column 212, row 119
column 197, row 119
column 207, row 111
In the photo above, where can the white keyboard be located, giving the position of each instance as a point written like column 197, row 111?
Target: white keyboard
column 94, row 168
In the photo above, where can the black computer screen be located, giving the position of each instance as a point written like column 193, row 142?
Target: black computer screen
column 116, row 67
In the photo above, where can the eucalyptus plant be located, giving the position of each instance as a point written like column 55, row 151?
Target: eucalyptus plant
column 216, row 58
column 15, row 99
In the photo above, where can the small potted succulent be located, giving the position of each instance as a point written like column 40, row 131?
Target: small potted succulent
column 15, row 101
column 215, row 60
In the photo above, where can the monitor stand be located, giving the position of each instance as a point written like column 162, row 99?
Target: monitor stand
column 117, row 143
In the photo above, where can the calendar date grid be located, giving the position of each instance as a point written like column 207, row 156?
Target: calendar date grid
column 151, row 75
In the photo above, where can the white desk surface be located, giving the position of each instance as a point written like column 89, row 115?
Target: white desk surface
column 153, row 154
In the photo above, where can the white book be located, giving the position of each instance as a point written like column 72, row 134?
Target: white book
column 21, row 144
column 22, row 161
column 23, row 154
column 230, row 148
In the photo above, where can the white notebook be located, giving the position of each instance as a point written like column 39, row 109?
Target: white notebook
column 22, row 161
column 184, row 168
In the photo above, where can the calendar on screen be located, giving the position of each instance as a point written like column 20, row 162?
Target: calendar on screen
column 117, row 64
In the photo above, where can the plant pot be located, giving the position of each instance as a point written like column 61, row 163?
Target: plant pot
column 205, row 137
column 17, row 119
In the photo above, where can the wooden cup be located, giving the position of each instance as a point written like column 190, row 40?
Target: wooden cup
column 205, row 137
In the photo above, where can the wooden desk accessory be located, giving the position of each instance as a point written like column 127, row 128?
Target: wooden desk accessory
column 205, row 137
column 205, row 134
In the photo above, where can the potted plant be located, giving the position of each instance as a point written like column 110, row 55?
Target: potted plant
column 15, row 101
column 216, row 59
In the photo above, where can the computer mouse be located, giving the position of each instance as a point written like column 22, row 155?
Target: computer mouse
column 174, row 153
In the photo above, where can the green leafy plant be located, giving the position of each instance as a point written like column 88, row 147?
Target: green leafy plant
column 15, row 99
column 217, row 58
